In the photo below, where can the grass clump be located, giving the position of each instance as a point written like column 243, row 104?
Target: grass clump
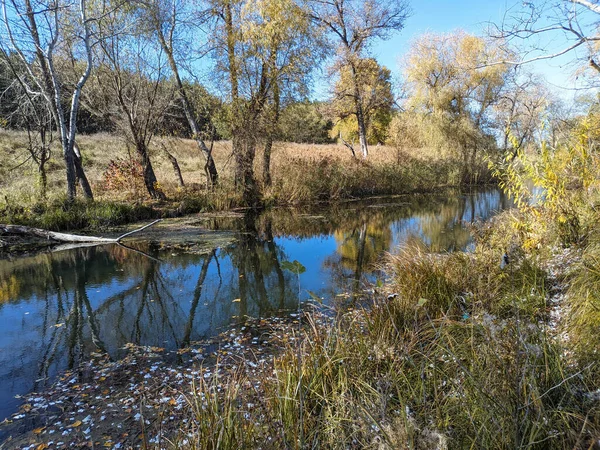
column 60, row 215
column 462, row 356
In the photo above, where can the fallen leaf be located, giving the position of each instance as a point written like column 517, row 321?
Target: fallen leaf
column 76, row 424
column 236, row 300
column 42, row 446
column 39, row 430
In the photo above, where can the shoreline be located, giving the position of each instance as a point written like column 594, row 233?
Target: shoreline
column 145, row 398
column 12, row 245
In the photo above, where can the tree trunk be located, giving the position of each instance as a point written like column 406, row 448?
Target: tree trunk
column 270, row 136
column 80, row 173
column 43, row 177
column 360, row 116
column 273, row 126
column 267, row 161
column 69, row 157
column 149, row 175
column 244, row 157
column 212, row 173
column 175, row 165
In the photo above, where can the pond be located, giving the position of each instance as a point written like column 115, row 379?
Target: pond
column 184, row 283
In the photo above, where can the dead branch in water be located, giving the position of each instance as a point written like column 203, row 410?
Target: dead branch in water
column 21, row 230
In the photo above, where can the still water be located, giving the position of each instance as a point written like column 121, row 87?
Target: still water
column 171, row 288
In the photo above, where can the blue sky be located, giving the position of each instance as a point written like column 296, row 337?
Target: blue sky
column 443, row 16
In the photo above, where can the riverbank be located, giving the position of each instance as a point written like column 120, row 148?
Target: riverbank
column 464, row 349
column 302, row 174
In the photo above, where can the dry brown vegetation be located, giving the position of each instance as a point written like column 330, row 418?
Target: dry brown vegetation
column 302, row 173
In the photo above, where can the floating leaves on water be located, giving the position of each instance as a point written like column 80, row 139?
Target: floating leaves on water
column 294, row 267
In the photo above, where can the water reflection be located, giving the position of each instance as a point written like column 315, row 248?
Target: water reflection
column 58, row 308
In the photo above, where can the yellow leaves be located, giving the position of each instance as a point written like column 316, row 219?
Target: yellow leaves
column 269, row 23
column 76, row 424
column 448, row 70
column 39, row 430
column 42, row 446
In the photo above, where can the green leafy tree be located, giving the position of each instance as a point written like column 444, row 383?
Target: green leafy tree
column 303, row 122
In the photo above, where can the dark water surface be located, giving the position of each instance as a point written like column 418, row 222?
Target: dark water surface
column 173, row 288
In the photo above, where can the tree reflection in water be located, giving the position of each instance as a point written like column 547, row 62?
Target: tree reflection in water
column 58, row 308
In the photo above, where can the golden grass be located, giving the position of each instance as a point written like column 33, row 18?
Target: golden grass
column 99, row 149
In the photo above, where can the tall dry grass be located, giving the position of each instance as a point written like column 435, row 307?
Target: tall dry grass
column 302, row 173
column 462, row 356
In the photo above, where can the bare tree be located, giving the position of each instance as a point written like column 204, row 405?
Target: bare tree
column 355, row 24
column 131, row 88
column 35, row 31
column 167, row 23
column 535, row 28
column 519, row 109
column 31, row 113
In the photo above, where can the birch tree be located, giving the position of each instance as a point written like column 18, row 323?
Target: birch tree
column 36, row 31
column 355, row 25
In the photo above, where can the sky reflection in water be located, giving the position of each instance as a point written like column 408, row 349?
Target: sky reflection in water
column 57, row 308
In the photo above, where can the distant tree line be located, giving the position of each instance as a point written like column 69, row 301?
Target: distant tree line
column 243, row 70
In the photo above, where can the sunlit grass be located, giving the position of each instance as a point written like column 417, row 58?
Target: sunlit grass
column 302, row 173
column 462, row 356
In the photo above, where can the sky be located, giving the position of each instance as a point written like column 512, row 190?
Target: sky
column 473, row 16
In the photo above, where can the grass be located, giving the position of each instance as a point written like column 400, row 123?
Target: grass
column 302, row 174
column 462, row 356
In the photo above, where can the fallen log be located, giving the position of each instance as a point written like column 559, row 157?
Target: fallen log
column 21, row 230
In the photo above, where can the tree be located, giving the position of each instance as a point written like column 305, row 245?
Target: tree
column 282, row 34
column 168, row 20
column 520, row 110
column 355, row 24
column 304, row 122
column 260, row 45
column 132, row 90
column 20, row 109
column 447, row 86
column 536, row 26
column 35, row 31
column 376, row 101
